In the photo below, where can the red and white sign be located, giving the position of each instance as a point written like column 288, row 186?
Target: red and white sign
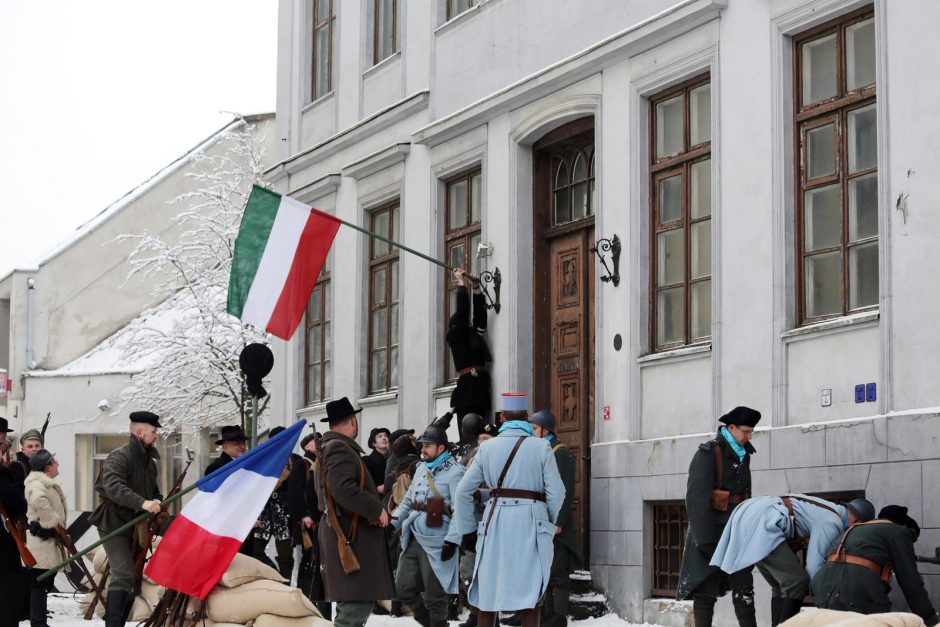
column 4, row 383
column 606, row 412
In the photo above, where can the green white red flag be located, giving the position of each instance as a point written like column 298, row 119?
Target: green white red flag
column 280, row 250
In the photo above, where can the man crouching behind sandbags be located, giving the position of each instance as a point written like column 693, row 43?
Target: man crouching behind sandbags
column 353, row 551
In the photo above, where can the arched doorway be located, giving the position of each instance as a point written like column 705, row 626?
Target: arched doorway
column 563, row 204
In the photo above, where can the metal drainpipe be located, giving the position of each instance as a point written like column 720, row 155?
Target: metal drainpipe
column 30, row 323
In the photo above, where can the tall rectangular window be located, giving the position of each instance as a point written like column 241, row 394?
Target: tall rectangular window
column 462, row 235
column 385, row 29
column 102, row 446
column 670, row 525
column 456, row 7
column 318, row 345
column 680, row 215
column 323, row 18
column 383, row 300
column 835, row 136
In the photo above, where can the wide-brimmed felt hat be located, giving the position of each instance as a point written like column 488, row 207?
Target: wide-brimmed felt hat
column 339, row 409
column 375, row 432
column 146, row 417
column 231, row 433
column 3, row 426
column 397, row 433
column 741, row 416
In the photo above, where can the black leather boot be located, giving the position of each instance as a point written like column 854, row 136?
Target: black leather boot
column 115, row 615
column 702, row 613
column 421, row 615
column 37, row 607
column 514, row 620
column 774, row 611
column 789, row 608
column 746, row 615
column 470, row 622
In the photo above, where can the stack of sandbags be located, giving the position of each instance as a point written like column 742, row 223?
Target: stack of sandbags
column 150, row 592
column 833, row 618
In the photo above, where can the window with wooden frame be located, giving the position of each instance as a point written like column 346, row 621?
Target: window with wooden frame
column 323, row 19
column 384, row 29
column 456, row 7
column 464, row 196
column 383, row 300
column 680, row 215
column 670, row 525
column 318, row 349
column 836, row 148
column 573, row 189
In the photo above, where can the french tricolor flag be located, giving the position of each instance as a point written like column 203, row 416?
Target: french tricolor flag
column 203, row 539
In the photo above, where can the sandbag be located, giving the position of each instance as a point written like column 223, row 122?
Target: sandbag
column 100, row 560
column 250, row 600
column 245, row 569
column 833, row 618
column 151, row 593
column 271, row 620
column 141, row 610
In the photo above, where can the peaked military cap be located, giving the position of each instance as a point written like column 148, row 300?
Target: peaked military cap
column 741, row 416
column 146, row 417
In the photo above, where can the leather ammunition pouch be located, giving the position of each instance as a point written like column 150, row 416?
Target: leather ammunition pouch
column 721, row 500
column 434, row 509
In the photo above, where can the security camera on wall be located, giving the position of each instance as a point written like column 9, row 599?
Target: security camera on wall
column 104, row 405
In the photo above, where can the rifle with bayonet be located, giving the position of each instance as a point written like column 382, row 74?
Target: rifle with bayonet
column 69, row 546
column 347, row 557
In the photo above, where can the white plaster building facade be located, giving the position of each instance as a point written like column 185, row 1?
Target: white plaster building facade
column 766, row 166
column 62, row 321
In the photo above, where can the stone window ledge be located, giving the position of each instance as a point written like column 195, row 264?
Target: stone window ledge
column 379, row 399
column 829, row 327
column 683, row 353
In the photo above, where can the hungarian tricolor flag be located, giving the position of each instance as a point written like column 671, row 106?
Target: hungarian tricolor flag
column 281, row 247
column 203, row 539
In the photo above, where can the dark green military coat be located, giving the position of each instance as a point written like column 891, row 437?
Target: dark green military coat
column 849, row 587
column 706, row 524
column 127, row 479
column 565, row 461
column 341, row 461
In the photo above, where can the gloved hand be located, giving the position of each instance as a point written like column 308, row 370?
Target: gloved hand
column 708, row 548
column 448, row 551
column 469, row 541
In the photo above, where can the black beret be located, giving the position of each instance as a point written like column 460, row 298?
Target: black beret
column 741, row 416
column 898, row 515
column 146, row 417
column 397, row 433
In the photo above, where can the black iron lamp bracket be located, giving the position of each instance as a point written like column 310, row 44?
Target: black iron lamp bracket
column 611, row 246
column 496, row 278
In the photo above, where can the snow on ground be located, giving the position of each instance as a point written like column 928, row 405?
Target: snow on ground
column 67, row 613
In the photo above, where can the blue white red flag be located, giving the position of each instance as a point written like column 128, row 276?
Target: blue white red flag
column 203, row 539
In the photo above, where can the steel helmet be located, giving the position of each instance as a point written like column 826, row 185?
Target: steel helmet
column 544, row 419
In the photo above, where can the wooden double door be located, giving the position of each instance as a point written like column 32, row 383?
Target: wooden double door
column 564, row 277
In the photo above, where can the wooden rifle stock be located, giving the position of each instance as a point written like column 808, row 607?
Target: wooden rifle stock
column 347, row 557
column 90, row 611
column 16, row 531
column 71, row 550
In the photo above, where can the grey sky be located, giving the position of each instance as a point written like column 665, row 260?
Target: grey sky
column 97, row 96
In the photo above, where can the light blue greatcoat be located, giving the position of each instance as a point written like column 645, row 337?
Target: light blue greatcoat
column 413, row 523
column 514, row 556
column 759, row 525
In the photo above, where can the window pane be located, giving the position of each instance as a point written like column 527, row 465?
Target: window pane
column 323, row 9
column 394, row 325
column 327, row 379
column 579, row 197
column 458, row 204
column 701, row 249
column 860, row 54
column 457, row 256
column 670, row 199
column 379, row 328
column 823, row 289
column 393, row 358
column 863, row 275
column 669, row 127
column 394, row 290
column 457, row 6
column 700, row 114
column 380, row 226
column 327, row 342
column 863, row 207
column 819, row 69
column 326, row 300
column 378, row 287
column 701, row 309
column 383, row 19
column 863, row 139
column 561, row 174
column 580, row 168
column 562, row 208
column 393, row 227
column 821, row 151
column 313, row 384
column 701, row 191
column 313, row 344
column 476, row 196
column 313, row 311
column 105, row 444
column 474, row 261
column 378, row 371
column 322, row 72
column 671, row 257
column 670, row 315
column 823, row 218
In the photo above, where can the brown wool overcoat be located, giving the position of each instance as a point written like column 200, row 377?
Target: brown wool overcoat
column 341, row 465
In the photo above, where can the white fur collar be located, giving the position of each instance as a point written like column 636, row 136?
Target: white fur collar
column 37, row 476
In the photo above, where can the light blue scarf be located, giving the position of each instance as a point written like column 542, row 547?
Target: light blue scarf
column 437, row 461
column 550, row 437
column 518, row 424
column 737, row 448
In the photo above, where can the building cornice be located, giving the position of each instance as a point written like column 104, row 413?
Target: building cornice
column 317, row 189
column 377, row 161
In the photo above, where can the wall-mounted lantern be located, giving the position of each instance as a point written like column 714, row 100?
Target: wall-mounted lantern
column 611, row 246
column 492, row 300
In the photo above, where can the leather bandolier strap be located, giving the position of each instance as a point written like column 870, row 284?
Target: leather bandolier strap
column 733, row 499
column 841, row 557
column 469, row 370
column 796, row 541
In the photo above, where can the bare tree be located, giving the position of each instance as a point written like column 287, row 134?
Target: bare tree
column 188, row 346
